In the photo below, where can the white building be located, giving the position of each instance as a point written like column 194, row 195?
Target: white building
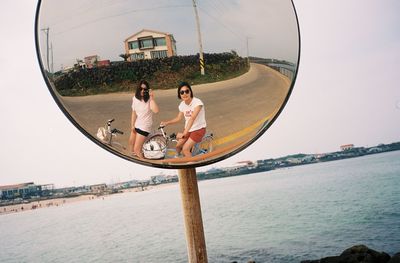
column 19, row 190
column 346, row 147
column 148, row 44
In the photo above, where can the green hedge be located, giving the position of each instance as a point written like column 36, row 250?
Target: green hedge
column 161, row 73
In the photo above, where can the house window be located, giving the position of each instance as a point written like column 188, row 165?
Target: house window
column 133, row 45
column 137, row 56
column 160, row 41
column 158, row 54
column 146, row 43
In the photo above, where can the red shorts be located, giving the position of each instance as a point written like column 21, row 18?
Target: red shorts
column 197, row 135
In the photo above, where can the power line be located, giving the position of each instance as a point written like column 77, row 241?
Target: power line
column 215, row 7
column 241, row 37
column 220, row 8
column 222, row 24
column 120, row 14
column 77, row 11
column 221, row 4
column 94, row 5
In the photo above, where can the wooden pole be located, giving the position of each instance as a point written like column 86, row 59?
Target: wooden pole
column 196, row 244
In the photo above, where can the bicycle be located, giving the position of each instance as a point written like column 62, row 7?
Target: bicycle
column 106, row 134
column 156, row 146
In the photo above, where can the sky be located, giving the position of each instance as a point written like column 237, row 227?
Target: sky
column 79, row 28
column 346, row 92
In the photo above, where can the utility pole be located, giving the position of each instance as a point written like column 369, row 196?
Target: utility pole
column 46, row 31
column 247, row 47
column 247, row 50
column 199, row 38
column 52, row 59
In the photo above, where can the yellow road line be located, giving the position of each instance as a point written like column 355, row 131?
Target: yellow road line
column 245, row 131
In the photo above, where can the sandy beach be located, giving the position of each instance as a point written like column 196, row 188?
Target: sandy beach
column 44, row 203
column 57, row 202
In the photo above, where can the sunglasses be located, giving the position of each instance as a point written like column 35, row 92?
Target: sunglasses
column 184, row 91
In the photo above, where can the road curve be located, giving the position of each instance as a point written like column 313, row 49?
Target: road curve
column 232, row 106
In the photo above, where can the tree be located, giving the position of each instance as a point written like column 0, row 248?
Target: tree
column 234, row 53
column 124, row 56
column 78, row 63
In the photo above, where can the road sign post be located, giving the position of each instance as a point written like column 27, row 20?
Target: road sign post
column 235, row 122
column 195, row 240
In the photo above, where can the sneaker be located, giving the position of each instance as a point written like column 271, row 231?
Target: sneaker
column 178, row 156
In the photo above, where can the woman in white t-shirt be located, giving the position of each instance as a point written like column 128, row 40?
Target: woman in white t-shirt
column 192, row 109
column 143, row 107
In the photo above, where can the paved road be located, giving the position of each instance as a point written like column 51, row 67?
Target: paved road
column 230, row 105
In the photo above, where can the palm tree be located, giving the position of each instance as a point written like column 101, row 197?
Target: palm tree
column 124, row 56
column 78, row 63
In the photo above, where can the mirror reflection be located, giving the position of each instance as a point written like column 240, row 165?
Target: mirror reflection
column 170, row 83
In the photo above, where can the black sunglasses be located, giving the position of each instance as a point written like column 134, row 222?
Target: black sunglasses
column 184, row 91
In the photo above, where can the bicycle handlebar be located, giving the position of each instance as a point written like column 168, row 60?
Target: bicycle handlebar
column 117, row 131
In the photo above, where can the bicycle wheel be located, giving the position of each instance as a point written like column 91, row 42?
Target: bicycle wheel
column 206, row 145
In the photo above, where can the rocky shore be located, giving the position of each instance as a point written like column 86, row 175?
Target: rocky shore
column 359, row 254
column 355, row 254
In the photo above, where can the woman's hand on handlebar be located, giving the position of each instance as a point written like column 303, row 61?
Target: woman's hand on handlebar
column 182, row 135
column 179, row 136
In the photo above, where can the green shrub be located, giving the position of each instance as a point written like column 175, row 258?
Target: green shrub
column 161, row 73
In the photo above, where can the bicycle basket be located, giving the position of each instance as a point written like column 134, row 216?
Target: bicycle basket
column 154, row 148
column 102, row 134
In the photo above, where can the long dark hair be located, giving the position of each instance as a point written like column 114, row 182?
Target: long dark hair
column 146, row 95
column 184, row 84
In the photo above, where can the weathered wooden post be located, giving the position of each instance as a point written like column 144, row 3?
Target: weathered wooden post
column 195, row 240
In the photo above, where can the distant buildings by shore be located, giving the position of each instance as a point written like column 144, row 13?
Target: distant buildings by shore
column 347, row 151
column 29, row 192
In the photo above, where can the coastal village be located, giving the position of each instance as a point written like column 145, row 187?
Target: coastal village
column 14, row 198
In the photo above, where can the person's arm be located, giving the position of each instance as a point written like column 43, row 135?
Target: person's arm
column 177, row 119
column 191, row 120
column 133, row 120
column 153, row 104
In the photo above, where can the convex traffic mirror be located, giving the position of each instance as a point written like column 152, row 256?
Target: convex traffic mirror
column 169, row 84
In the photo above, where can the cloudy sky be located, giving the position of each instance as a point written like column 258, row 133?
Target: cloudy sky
column 346, row 92
column 79, row 28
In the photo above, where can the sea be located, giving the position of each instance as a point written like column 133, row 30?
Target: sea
column 286, row 215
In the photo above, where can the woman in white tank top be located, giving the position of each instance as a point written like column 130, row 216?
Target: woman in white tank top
column 143, row 107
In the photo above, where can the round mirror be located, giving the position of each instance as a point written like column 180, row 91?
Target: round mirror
column 171, row 84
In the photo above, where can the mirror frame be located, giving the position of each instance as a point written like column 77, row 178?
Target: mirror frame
column 162, row 165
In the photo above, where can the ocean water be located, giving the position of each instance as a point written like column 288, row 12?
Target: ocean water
column 286, row 215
